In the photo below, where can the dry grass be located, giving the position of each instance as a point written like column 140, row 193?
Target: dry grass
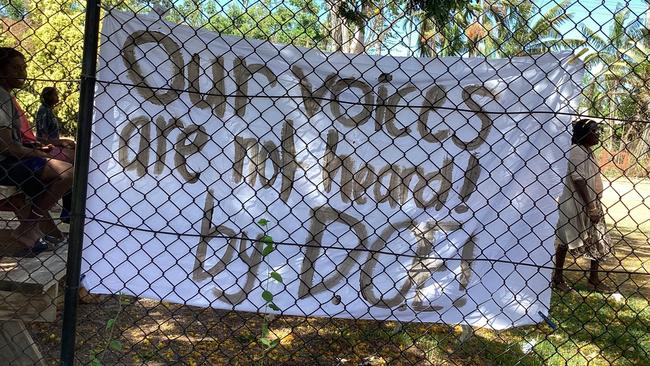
column 593, row 329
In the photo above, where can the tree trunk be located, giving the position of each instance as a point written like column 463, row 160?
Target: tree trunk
column 379, row 30
column 426, row 41
column 359, row 41
column 646, row 29
column 336, row 26
column 640, row 150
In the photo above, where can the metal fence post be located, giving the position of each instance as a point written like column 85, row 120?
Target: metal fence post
column 91, row 35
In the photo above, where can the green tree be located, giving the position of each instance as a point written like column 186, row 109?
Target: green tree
column 53, row 45
column 286, row 22
column 14, row 9
column 609, row 66
column 519, row 29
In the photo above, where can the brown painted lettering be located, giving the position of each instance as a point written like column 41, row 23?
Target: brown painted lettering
column 434, row 98
column 289, row 164
column 444, row 176
column 137, row 75
column 368, row 100
column 363, row 179
column 486, row 122
column 470, row 181
column 252, row 260
column 321, row 217
column 391, row 110
column 162, row 139
column 140, row 127
column 309, row 96
column 185, row 150
column 215, row 97
column 243, row 74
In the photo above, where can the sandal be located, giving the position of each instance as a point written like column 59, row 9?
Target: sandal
column 56, row 242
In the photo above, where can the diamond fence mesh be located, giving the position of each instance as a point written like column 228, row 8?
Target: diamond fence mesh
column 325, row 204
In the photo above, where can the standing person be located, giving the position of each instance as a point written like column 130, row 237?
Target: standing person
column 42, row 179
column 581, row 226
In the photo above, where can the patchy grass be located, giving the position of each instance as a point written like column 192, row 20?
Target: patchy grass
column 593, row 329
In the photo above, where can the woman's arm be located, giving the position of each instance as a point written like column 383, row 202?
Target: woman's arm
column 592, row 204
column 17, row 150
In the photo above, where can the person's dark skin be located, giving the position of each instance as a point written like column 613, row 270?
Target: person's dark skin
column 65, row 143
column 590, row 140
column 18, row 67
column 57, row 175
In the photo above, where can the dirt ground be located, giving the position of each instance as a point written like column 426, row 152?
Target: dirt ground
column 147, row 332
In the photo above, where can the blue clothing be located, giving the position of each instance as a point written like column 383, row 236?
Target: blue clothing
column 47, row 125
column 24, row 174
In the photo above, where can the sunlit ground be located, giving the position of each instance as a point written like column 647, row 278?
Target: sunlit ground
column 592, row 328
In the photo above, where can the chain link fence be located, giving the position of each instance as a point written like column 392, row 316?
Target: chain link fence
column 237, row 190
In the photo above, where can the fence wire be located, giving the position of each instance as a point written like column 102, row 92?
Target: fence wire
column 241, row 242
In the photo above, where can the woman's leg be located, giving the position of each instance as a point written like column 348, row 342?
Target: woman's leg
column 20, row 173
column 594, row 280
column 558, row 276
column 57, row 178
column 27, row 232
column 593, row 273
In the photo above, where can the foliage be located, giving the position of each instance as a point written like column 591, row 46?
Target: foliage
column 286, row 22
column 14, row 9
column 54, row 45
column 269, row 247
column 110, row 343
column 618, row 70
column 519, row 32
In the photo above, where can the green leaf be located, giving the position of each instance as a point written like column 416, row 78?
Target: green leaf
column 268, row 249
column 267, row 239
column 274, row 307
column 265, row 329
column 263, row 222
column 95, row 362
column 116, row 345
column 265, row 342
column 276, row 276
column 110, row 323
column 266, row 295
column 274, row 343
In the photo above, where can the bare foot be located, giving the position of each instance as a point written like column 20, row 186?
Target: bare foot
column 27, row 234
column 599, row 286
column 48, row 226
column 561, row 286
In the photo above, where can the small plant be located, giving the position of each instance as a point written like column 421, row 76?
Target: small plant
column 269, row 246
column 96, row 357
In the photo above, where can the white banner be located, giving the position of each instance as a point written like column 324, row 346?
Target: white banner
column 395, row 188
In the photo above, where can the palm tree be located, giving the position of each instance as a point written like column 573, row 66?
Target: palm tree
column 609, row 75
column 636, row 87
column 514, row 35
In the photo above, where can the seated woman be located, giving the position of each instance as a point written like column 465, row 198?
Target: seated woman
column 47, row 126
column 47, row 133
column 42, row 179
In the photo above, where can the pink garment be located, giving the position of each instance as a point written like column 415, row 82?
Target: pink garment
column 28, row 136
column 62, row 154
column 25, row 129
